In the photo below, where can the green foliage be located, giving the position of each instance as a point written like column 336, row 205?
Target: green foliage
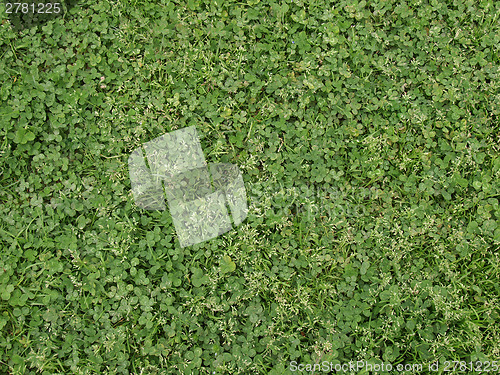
column 367, row 134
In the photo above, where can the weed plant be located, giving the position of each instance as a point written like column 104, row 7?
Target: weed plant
column 368, row 137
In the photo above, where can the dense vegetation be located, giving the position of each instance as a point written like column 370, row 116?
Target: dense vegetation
column 368, row 136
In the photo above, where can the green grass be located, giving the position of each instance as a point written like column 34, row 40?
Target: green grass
column 367, row 135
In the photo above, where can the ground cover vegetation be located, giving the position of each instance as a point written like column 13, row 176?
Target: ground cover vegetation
column 368, row 137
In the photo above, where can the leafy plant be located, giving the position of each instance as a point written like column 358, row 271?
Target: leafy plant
column 367, row 134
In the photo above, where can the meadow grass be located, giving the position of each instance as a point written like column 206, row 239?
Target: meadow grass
column 367, row 135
